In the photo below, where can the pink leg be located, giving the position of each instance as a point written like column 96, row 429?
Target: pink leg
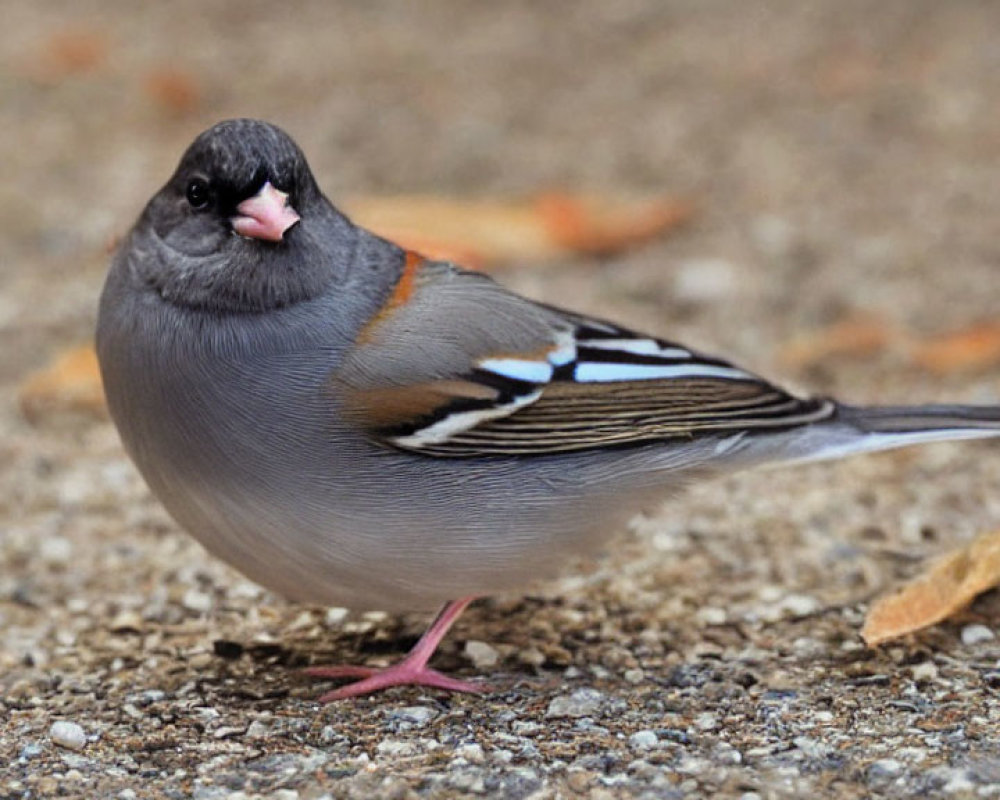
column 411, row 671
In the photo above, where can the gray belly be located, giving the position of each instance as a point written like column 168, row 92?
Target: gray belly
column 244, row 448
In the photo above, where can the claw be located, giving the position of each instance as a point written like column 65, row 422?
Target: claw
column 411, row 671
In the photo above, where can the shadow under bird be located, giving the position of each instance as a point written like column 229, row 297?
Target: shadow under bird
column 349, row 423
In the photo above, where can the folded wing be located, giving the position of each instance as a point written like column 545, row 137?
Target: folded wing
column 465, row 368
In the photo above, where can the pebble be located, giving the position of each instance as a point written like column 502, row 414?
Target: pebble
column 196, row 601
column 884, row 769
column 799, row 605
column 56, row 550
column 68, row 735
column 335, row 617
column 811, row 748
column 704, row 280
column 415, row 715
column 481, row 654
column 472, row 753
column 924, row 671
column 531, row 656
column 258, row 729
column 976, row 634
column 726, row 754
column 30, row 751
column 643, row 740
column 582, row 703
column 712, row 615
column 525, row 727
column 396, row 747
column 706, row 722
column 634, row 676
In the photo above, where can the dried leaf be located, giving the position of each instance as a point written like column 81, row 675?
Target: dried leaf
column 72, row 383
column 67, row 53
column 173, row 90
column 857, row 335
column 601, row 226
column 552, row 226
column 947, row 587
column 974, row 348
column 480, row 230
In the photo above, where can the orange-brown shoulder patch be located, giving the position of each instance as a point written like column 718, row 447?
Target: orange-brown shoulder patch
column 404, row 288
column 401, row 293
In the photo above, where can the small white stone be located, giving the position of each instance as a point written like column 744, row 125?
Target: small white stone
column 924, row 671
column 524, row 727
column 704, row 280
column 913, row 755
column 335, row 616
column 258, row 729
column 770, row 593
column 303, row 621
column 285, row 794
column 643, row 740
column 56, row 550
column 582, row 703
column 68, row 735
column 634, row 676
column 415, row 715
column 976, row 634
column 711, row 615
column 472, row 753
column 706, row 722
column 194, row 600
column 799, row 605
column 885, row 769
column 481, row 654
column 395, row 747
column 812, row 748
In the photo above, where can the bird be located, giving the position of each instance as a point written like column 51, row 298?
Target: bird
column 349, row 423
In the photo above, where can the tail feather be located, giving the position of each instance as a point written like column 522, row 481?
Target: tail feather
column 866, row 429
column 977, row 420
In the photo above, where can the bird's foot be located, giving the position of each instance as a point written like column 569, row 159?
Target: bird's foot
column 405, row 673
column 411, row 671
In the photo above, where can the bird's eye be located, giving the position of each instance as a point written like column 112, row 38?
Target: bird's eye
column 198, row 194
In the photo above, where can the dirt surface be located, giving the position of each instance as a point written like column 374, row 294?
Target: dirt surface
column 845, row 158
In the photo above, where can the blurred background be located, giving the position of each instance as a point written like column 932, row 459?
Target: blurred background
column 811, row 189
column 840, row 157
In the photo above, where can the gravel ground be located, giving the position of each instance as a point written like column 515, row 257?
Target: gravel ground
column 845, row 158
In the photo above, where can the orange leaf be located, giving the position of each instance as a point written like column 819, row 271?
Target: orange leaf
column 592, row 225
column 856, row 335
column 483, row 232
column 72, row 383
column 947, row 587
column 67, row 53
column 172, row 90
column 974, row 348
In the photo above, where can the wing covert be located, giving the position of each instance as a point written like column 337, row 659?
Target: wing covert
column 493, row 374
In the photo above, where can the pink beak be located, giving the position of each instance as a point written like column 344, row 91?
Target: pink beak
column 266, row 215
